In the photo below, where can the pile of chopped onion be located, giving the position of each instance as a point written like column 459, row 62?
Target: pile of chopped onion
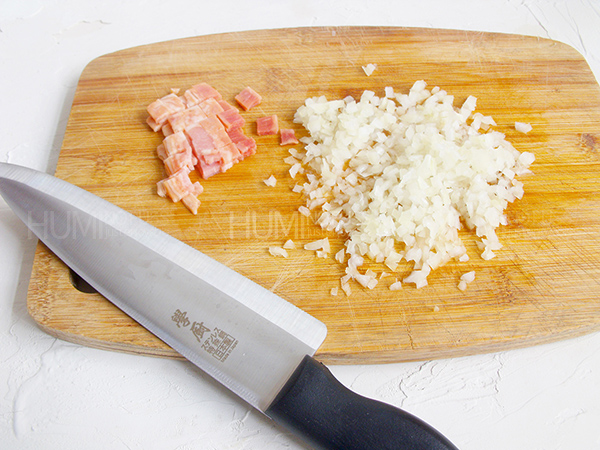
column 398, row 175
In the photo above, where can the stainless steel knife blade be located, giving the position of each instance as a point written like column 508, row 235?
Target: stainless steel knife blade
column 252, row 341
column 243, row 335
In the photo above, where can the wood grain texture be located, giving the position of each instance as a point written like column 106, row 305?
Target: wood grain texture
column 544, row 285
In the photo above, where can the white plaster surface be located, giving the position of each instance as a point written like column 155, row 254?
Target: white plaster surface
column 57, row 395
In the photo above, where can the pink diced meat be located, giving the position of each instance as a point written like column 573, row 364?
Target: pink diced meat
column 166, row 129
column 231, row 118
column 160, row 188
column 288, row 136
column 175, row 122
column 186, row 119
column 201, row 140
column 211, row 156
column 177, row 185
column 176, row 143
column 194, row 116
column 225, row 105
column 196, row 189
column 152, row 124
column 215, row 128
column 267, row 125
column 236, row 135
column 247, row 147
column 161, row 109
column 204, row 91
column 178, row 161
column 161, row 152
column 192, row 203
column 191, row 99
column 210, row 107
column 229, row 156
column 245, row 144
column 208, row 170
column 248, row 98
column 204, row 132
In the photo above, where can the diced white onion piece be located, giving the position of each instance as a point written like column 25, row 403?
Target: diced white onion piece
column 297, row 167
column 321, row 244
column 523, row 127
column 468, row 277
column 347, row 289
column 396, row 285
column 369, row 69
column 304, row 211
column 278, row 251
column 271, row 181
column 291, row 160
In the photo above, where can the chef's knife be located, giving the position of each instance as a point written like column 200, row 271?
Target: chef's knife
column 252, row 341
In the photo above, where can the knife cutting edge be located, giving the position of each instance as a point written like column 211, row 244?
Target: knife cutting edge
column 255, row 343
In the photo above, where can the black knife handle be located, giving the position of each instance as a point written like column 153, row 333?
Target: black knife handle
column 316, row 406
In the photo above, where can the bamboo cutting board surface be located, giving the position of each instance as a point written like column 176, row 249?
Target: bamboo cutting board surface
column 544, row 285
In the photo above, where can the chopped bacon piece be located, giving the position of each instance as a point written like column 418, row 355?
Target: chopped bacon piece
column 245, row 144
column 177, row 185
column 211, row 156
column 161, row 152
column 247, row 147
column 288, row 136
column 191, row 99
column 208, row 170
column 179, row 161
column 204, row 91
column 267, row 125
column 197, row 188
column 236, row 135
column 248, row 98
column 210, row 144
column 225, row 105
column 231, row 118
column 202, row 132
column 161, row 109
column 193, row 116
column 186, row 119
column 160, row 188
column 176, row 123
column 210, row 106
column 166, row 129
column 201, row 141
column 176, row 143
column 215, row 128
column 212, row 125
column 152, row 124
column 229, row 156
column 192, row 203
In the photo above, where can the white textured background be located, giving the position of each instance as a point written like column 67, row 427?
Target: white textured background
column 56, row 395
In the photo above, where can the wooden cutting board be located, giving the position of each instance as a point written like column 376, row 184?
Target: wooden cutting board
column 544, row 285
